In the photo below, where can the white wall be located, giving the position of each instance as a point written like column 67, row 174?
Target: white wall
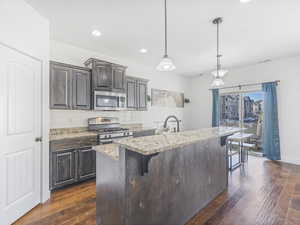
column 28, row 32
column 66, row 53
column 286, row 70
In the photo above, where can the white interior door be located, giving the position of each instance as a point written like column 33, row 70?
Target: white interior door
column 20, row 125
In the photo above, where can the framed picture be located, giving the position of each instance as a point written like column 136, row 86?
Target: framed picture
column 166, row 98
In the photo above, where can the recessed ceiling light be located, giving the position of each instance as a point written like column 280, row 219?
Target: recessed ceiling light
column 245, row 1
column 264, row 61
column 143, row 50
column 96, row 33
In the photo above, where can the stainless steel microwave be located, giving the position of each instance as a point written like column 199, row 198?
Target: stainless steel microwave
column 104, row 100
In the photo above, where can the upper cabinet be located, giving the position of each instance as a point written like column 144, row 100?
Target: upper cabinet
column 72, row 87
column 118, row 74
column 142, row 90
column 107, row 76
column 60, row 86
column 101, row 76
column 137, row 90
column 69, row 87
column 81, row 91
column 131, row 92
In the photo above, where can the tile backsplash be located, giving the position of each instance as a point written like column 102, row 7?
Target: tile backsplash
column 154, row 117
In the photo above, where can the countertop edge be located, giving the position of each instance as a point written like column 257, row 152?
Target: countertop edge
column 110, row 150
column 163, row 149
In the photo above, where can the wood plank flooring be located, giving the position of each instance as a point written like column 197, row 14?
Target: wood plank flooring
column 260, row 193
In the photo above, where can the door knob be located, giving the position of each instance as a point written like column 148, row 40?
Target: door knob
column 38, row 139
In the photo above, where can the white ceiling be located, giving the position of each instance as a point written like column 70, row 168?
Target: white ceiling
column 252, row 32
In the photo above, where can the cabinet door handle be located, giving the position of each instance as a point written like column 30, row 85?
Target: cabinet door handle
column 38, row 139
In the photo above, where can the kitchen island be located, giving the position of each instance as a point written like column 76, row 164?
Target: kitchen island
column 162, row 179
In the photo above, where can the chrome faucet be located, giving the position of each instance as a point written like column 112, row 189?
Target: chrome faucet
column 176, row 119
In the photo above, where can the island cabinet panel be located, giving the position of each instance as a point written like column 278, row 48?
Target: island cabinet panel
column 175, row 185
column 137, row 90
column 69, row 86
column 110, row 178
column 64, row 167
column 81, row 89
column 86, row 163
column 60, row 87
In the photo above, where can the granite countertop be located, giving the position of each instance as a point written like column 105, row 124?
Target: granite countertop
column 70, row 135
column 112, row 150
column 78, row 132
column 159, row 143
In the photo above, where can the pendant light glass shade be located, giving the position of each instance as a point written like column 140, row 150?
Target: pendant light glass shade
column 217, row 82
column 222, row 73
column 166, row 64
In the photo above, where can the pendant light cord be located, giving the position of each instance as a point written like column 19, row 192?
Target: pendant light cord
column 218, row 49
column 217, row 21
column 166, row 33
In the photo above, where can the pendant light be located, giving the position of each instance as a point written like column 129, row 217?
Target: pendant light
column 166, row 64
column 219, row 73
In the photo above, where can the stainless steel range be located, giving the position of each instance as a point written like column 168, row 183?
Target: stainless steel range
column 108, row 128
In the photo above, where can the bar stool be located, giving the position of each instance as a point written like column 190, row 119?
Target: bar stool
column 238, row 140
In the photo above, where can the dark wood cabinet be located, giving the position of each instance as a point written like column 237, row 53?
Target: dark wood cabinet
column 86, row 163
column 69, row 86
column 60, row 86
column 102, row 76
column 63, row 168
column 142, row 94
column 131, row 91
column 118, row 74
column 70, row 166
column 81, row 89
column 72, row 160
column 106, row 76
column 137, row 90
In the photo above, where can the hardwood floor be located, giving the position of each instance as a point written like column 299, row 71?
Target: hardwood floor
column 261, row 193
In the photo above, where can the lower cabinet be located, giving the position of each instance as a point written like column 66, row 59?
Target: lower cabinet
column 86, row 164
column 71, row 166
column 63, row 168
